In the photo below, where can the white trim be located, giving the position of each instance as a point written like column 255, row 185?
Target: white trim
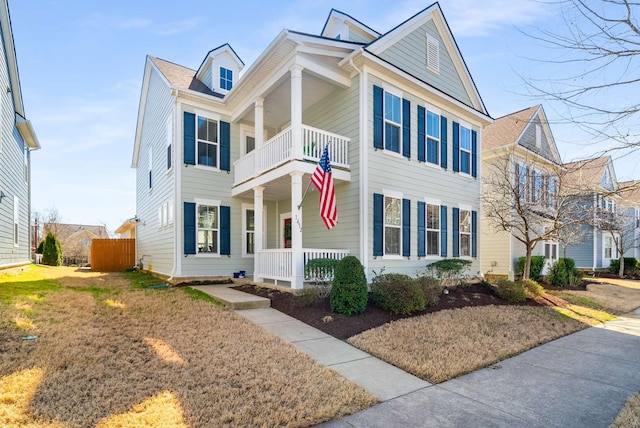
column 433, row 62
column 464, row 207
column 363, row 153
column 209, row 203
column 283, row 217
column 205, row 167
column 393, row 90
column 432, row 201
column 200, row 201
column 169, row 142
column 206, row 114
column 433, row 109
column 392, row 193
column 392, row 153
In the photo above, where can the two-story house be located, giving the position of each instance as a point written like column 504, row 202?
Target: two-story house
column 224, row 160
column 595, row 189
column 17, row 141
column 521, row 166
column 630, row 207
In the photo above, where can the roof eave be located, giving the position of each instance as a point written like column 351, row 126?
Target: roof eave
column 28, row 133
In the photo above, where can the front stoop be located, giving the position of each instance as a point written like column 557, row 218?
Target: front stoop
column 234, row 299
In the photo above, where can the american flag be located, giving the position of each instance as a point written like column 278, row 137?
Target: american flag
column 323, row 180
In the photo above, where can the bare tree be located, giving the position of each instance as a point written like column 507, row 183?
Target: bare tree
column 527, row 203
column 572, row 234
column 596, row 67
column 51, row 221
column 620, row 226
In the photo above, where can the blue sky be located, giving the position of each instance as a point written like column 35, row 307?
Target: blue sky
column 81, row 66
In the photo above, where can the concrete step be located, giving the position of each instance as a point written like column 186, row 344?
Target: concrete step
column 234, row 299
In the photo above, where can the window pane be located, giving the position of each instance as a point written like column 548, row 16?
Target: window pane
column 207, row 217
column 392, row 137
column 250, row 219
column 433, row 239
column 392, row 240
column 250, row 243
column 212, row 127
column 207, row 154
column 207, row 241
column 465, row 221
column 392, row 211
column 432, row 151
column 465, row 161
column 250, row 144
column 465, row 245
column 392, row 107
column 202, row 128
column 465, row 138
column 433, row 125
column 433, row 216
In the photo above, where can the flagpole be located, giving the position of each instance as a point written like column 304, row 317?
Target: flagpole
column 305, row 194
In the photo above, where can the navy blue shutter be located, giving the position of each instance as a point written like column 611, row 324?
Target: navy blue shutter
column 169, row 156
column 456, row 232
column 225, row 146
column 189, row 228
column 406, row 128
column 378, row 117
column 378, row 226
column 406, row 228
column 474, row 153
column 189, row 142
column 474, row 233
column 421, row 135
column 443, row 230
column 456, row 146
column 443, row 142
column 421, row 230
column 225, row 231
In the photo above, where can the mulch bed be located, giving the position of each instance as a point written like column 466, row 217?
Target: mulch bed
column 343, row 327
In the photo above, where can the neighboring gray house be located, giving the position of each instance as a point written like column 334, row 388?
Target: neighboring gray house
column 223, row 160
column 630, row 206
column 593, row 181
column 17, row 141
column 523, row 144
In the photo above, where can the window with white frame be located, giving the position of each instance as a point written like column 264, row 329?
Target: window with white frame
column 226, row 79
column 170, row 215
column 551, row 192
column 609, row 249
column 249, row 231
column 207, row 142
column 150, row 159
column 208, row 229
column 433, row 54
column 551, row 250
column 465, row 149
column 249, row 143
column 392, row 225
column 16, row 221
column 536, row 190
column 432, row 224
column 169, row 138
column 392, row 122
column 433, row 137
column 465, row 233
column 522, row 182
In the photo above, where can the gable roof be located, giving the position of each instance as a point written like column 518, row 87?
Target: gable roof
column 181, row 77
column 506, row 129
column 335, row 16
column 630, row 190
column 587, row 173
column 432, row 12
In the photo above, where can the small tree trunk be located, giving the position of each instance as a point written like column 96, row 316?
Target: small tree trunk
column 527, row 264
column 621, row 269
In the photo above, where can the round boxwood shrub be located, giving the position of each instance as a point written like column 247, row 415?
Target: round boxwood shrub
column 563, row 273
column 510, row 291
column 397, row 293
column 349, row 288
column 51, row 251
column 537, row 264
column 431, row 288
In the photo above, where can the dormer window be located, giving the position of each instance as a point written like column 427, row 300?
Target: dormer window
column 226, row 79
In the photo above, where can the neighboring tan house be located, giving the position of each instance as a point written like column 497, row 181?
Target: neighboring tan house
column 630, row 205
column 520, row 148
column 127, row 230
column 75, row 240
column 223, row 160
column 596, row 191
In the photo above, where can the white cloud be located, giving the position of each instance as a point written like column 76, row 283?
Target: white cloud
column 178, row 27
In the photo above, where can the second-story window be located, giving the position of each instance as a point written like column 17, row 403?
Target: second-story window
column 433, row 137
column 393, row 122
column 465, row 150
column 208, row 150
column 226, row 79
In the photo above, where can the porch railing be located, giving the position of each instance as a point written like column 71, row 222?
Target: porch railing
column 278, row 150
column 276, row 263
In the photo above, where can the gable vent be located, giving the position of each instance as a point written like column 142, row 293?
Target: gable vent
column 433, row 54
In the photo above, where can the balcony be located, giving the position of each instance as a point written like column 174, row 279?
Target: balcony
column 280, row 150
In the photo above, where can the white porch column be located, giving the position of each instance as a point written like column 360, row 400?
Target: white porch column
column 297, row 265
column 258, row 132
column 296, row 111
column 258, row 230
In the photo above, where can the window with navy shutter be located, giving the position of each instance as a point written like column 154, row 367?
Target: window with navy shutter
column 474, row 154
column 433, row 137
column 189, row 228
column 443, row 142
column 456, row 232
column 225, row 146
column 189, row 142
column 474, row 234
column 406, row 128
column 464, row 149
column 421, row 135
column 456, row 146
column 392, row 122
column 421, row 229
column 406, row 228
column 378, row 225
column 225, row 231
column 443, row 230
column 378, row 117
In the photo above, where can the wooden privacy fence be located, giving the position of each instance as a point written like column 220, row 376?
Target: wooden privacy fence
column 113, row 255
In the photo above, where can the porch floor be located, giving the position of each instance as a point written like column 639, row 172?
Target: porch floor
column 233, row 299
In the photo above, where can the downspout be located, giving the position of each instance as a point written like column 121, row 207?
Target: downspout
column 362, row 153
column 177, row 262
column 595, row 244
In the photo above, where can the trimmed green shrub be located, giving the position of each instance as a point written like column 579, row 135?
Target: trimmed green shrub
column 537, row 264
column 510, row 291
column 51, row 251
column 532, row 287
column 449, row 271
column 349, row 289
column 431, row 288
column 563, row 273
column 397, row 293
column 630, row 266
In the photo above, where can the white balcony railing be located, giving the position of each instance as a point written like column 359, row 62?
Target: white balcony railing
column 277, row 264
column 278, row 150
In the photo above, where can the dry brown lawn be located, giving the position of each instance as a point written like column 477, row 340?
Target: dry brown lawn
column 110, row 355
column 446, row 344
column 629, row 416
column 617, row 298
